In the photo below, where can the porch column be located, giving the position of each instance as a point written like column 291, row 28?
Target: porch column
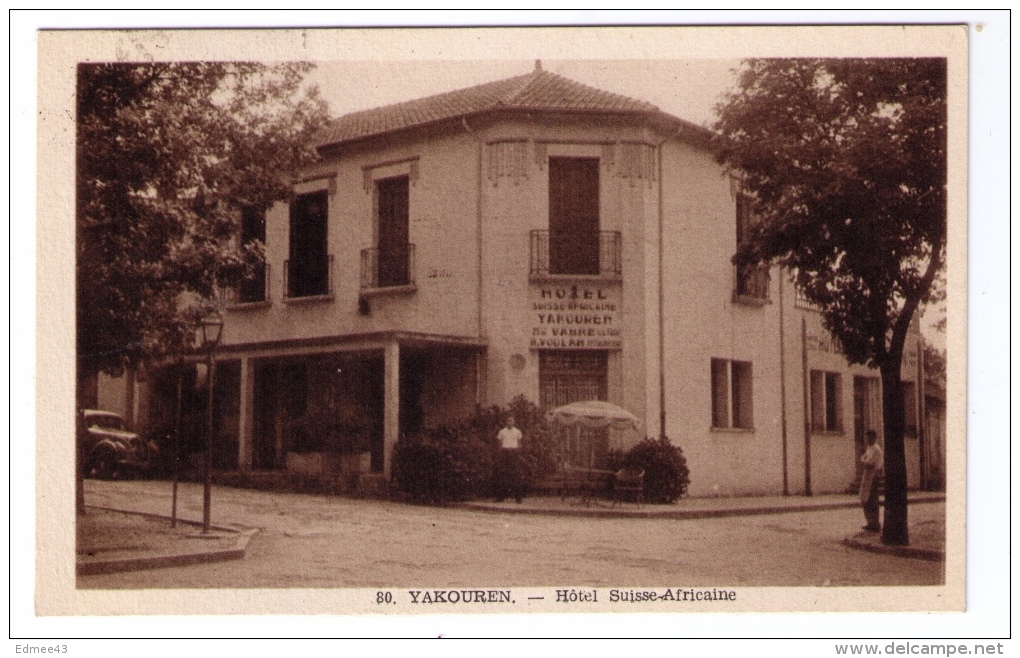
column 246, row 415
column 391, row 403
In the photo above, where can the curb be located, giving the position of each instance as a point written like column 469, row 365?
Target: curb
column 916, row 552
column 181, row 559
column 675, row 514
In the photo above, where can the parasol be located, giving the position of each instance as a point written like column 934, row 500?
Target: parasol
column 594, row 414
column 590, row 414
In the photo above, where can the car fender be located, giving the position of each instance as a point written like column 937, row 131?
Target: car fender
column 111, row 446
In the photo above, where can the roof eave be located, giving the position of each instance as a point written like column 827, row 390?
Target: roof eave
column 679, row 128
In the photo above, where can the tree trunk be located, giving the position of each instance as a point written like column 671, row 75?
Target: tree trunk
column 894, row 527
column 85, row 398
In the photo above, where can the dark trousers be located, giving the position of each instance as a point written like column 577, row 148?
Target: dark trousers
column 509, row 474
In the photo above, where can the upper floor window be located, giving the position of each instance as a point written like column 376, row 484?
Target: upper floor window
column 307, row 272
column 391, row 262
column 253, row 230
column 573, row 216
column 732, row 394
column 752, row 281
column 574, row 243
column 826, row 401
column 247, row 283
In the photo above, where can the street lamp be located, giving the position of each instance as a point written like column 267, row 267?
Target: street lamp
column 210, row 332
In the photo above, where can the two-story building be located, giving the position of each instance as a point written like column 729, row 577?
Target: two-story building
column 531, row 236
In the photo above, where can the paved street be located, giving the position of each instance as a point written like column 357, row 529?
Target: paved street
column 318, row 541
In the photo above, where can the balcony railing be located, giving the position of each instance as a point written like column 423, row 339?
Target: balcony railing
column 308, row 278
column 252, row 290
column 573, row 254
column 387, row 267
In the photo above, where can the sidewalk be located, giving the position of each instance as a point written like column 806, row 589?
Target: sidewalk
column 686, row 508
column 927, row 539
column 114, row 540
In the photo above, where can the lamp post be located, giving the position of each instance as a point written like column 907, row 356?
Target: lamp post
column 211, row 330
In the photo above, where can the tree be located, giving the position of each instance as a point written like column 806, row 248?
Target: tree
column 168, row 156
column 844, row 164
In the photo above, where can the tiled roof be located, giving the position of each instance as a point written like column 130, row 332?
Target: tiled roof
column 538, row 90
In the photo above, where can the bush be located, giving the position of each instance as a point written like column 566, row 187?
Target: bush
column 444, row 464
column 537, row 446
column 665, row 467
column 457, row 462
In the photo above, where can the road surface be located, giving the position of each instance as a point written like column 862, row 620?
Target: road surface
column 330, row 542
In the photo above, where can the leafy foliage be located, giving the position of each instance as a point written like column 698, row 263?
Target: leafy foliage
column 845, row 164
column 444, row 464
column 167, row 156
column 666, row 473
column 456, row 462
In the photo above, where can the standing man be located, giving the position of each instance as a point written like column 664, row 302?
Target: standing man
column 872, row 460
column 509, row 479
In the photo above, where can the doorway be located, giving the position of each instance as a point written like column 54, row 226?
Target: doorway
column 867, row 404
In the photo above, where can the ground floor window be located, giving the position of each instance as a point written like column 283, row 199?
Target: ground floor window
column 826, row 401
column 732, row 405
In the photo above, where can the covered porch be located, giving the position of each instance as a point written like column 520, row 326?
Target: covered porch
column 333, row 409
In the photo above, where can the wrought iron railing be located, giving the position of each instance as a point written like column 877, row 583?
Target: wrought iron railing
column 576, row 254
column 387, row 267
column 308, row 278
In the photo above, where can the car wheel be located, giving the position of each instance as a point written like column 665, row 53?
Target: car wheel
column 103, row 465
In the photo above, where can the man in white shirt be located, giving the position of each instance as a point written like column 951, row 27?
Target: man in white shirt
column 509, row 478
column 872, row 459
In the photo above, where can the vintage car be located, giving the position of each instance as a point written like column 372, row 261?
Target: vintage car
column 109, row 450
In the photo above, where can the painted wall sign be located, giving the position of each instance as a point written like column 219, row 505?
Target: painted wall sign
column 823, row 342
column 576, row 317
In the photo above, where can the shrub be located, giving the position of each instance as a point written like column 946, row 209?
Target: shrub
column 457, row 462
column 444, row 464
column 665, row 467
column 538, row 447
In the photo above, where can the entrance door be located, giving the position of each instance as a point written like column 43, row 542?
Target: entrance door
column 866, row 405
column 575, row 376
column 573, row 216
column 394, row 231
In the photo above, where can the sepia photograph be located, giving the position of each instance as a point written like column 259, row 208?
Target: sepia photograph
column 519, row 324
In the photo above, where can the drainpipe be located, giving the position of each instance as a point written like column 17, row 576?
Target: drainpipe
column 782, row 385
column 807, row 407
column 480, row 393
column 662, row 296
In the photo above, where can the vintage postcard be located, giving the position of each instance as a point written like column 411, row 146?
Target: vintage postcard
column 505, row 320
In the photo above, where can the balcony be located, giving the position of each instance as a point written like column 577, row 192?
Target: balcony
column 252, row 292
column 308, row 279
column 571, row 254
column 390, row 268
